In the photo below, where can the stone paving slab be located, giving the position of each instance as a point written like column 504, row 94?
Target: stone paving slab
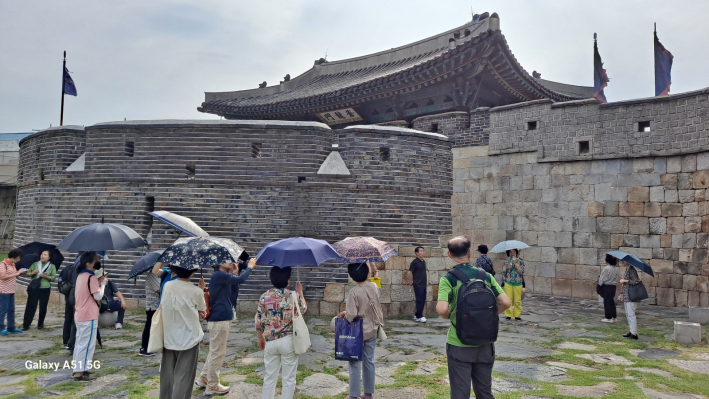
column 22, row 346
column 606, row 358
column 696, row 366
column 522, row 351
column 653, row 353
column 320, row 385
column 53, row 378
column 11, row 379
column 532, row 371
column 400, row 393
column 11, row 390
column 575, row 346
column 595, row 391
column 652, row 394
column 104, row 383
column 661, row 373
column 571, row 366
column 575, row 333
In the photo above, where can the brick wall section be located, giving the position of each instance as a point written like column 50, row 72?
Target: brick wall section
column 7, row 217
column 254, row 201
column 572, row 213
column 678, row 124
column 464, row 128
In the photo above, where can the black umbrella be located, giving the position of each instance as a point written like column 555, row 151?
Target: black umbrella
column 145, row 263
column 102, row 237
column 31, row 251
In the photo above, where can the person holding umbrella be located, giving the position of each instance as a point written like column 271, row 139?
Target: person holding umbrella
column 43, row 272
column 88, row 291
column 223, row 281
column 513, row 277
column 630, row 278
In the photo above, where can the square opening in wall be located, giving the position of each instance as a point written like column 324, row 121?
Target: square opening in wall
column 434, row 127
column 532, row 125
column 130, row 148
column 256, row 150
column 301, row 179
column 190, row 168
column 150, row 204
column 644, row 126
column 384, row 154
column 584, row 147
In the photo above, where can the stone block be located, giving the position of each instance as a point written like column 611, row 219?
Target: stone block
column 685, row 181
column 648, row 241
column 595, row 209
column 693, row 298
column 703, row 161
column 584, row 289
column 334, row 293
column 685, row 196
column 676, row 282
column 674, row 164
column 588, row 256
column 681, row 297
column 582, row 240
column 693, row 224
column 401, row 293
column 329, row 308
column 700, row 195
column 693, row 209
column 675, row 225
column 631, row 240
column 689, row 163
column 657, row 194
column 698, row 315
column 638, row 225
column 397, row 277
column 653, row 209
column 669, row 181
column 542, row 285
column 561, row 287
column 671, row 196
column 565, row 271
column 661, row 266
column 688, row 333
column 568, row 255
column 545, row 270
column 385, row 294
column 610, row 208
column 642, row 253
column 638, row 194
column 395, row 263
column 584, row 272
column 660, row 165
column 612, row 224
column 631, row 209
column 665, row 296
column 666, row 241
column 674, row 209
column 619, row 194
column 658, row 225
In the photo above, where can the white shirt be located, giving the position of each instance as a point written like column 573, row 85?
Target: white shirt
column 180, row 302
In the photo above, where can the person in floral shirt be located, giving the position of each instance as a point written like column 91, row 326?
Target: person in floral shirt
column 274, row 325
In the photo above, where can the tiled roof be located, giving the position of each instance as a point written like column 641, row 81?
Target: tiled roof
column 347, row 82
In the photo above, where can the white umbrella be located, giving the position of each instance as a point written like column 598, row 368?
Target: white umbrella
column 507, row 245
column 179, row 222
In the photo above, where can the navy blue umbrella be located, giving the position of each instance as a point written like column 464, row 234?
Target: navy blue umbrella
column 102, row 237
column 145, row 263
column 296, row 251
column 633, row 261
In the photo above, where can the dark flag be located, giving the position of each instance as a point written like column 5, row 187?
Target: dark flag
column 600, row 77
column 69, row 87
column 663, row 68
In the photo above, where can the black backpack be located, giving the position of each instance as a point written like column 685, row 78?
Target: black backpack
column 476, row 320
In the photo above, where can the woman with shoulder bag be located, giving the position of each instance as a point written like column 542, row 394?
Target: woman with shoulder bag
column 630, row 278
column 363, row 303
column 88, row 291
column 42, row 273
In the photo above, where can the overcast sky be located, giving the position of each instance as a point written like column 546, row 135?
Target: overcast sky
column 155, row 59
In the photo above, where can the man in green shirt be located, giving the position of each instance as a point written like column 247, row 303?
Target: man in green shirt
column 466, row 363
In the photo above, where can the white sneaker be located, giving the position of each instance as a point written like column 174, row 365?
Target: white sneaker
column 421, row 320
column 201, row 382
column 119, row 326
column 607, row 320
column 220, row 390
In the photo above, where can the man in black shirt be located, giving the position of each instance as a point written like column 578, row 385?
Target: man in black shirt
column 417, row 276
column 110, row 292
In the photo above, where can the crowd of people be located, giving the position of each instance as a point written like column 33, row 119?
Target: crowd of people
column 183, row 305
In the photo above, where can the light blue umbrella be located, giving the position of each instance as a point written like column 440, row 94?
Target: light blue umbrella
column 507, row 245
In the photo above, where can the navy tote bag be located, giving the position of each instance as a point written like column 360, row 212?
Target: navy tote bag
column 349, row 340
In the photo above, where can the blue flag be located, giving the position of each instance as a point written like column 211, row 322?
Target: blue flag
column 69, row 87
column 663, row 69
column 600, row 77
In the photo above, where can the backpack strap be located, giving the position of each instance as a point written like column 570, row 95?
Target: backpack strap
column 462, row 277
column 482, row 275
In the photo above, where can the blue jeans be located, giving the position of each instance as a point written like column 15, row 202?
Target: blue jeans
column 420, row 294
column 7, row 307
column 366, row 376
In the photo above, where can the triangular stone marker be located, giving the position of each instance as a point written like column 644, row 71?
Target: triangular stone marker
column 78, row 165
column 334, row 165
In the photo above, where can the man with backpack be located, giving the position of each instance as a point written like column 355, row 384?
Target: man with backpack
column 65, row 288
column 472, row 300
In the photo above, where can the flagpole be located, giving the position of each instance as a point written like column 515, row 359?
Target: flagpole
column 61, row 117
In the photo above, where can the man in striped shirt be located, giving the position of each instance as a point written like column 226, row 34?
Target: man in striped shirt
column 8, row 281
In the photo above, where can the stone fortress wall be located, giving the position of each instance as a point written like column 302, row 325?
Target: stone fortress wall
column 576, row 179
column 252, row 181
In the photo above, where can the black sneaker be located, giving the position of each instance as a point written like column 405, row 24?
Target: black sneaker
column 634, row 336
column 40, row 327
column 518, row 318
column 84, row 378
column 508, row 318
column 628, row 335
column 144, row 352
column 25, row 328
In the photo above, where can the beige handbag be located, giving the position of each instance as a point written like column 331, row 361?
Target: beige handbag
column 157, row 333
column 301, row 334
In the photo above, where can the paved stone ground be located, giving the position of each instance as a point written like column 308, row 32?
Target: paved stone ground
column 560, row 350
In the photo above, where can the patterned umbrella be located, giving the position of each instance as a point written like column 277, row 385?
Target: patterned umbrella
column 201, row 252
column 363, row 249
column 507, row 245
column 181, row 223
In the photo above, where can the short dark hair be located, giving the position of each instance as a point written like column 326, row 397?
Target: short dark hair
column 182, row 273
column 14, row 253
column 280, row 276
column 513, row 249
column 482, row 248
column 459, row 246
column 47, row 251
column 611, row 260
column 358, row 271
column 417, row 249
column 86, row 258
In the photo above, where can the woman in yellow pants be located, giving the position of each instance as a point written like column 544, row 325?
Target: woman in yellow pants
column 513, row 277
